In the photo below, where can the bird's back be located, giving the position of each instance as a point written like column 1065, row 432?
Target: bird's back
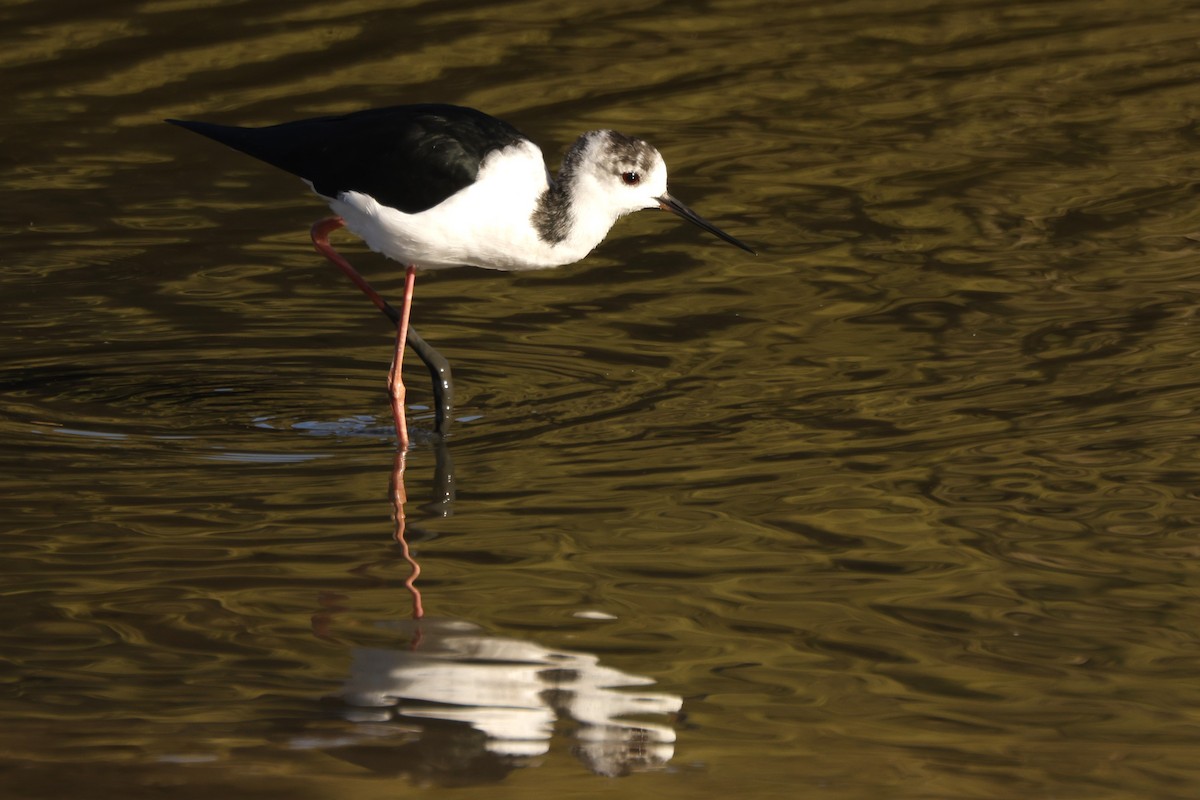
column 410, row 158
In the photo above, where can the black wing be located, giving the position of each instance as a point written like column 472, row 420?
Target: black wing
column 408, row 157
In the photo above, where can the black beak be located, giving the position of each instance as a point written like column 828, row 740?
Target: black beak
column 668, row 203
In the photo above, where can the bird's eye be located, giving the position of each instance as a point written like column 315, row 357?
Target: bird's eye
column 631, row 178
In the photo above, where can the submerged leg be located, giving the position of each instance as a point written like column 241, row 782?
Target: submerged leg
column 439, row 367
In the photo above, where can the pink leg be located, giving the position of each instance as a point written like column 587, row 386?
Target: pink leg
column 320, row 238
column 395, row 382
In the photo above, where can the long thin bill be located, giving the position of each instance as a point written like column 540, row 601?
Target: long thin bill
column 669, row 203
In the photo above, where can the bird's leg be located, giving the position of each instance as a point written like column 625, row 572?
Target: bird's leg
column 439, row 367
column 395, row 379
column 320, row 238
column 439, row 373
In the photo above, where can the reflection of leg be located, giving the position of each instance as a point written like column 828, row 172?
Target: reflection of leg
column 399, row 497
column 443, row 490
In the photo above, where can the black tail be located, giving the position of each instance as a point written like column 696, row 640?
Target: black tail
column 286, row 152
column 407, row 157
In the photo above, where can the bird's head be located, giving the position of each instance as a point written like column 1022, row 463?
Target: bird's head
column 621, row 174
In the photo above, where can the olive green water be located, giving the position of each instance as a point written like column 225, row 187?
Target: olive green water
column 907, row 506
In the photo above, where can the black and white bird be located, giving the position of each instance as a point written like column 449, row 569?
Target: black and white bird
column 435, row 186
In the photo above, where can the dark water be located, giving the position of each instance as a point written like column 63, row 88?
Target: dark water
column 904, row 507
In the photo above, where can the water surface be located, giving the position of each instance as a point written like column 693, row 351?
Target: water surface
column 905, row 506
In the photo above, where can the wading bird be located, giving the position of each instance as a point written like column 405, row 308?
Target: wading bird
column 436, row 186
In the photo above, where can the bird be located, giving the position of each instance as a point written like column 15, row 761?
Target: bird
column 434, row 185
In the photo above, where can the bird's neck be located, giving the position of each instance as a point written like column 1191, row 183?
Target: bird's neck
column 558, row 220
column 552, row 217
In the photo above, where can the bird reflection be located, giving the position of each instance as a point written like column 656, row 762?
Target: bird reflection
column 501, row 700
column 456, row 705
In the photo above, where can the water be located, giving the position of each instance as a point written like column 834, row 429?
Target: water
column 906, row 506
